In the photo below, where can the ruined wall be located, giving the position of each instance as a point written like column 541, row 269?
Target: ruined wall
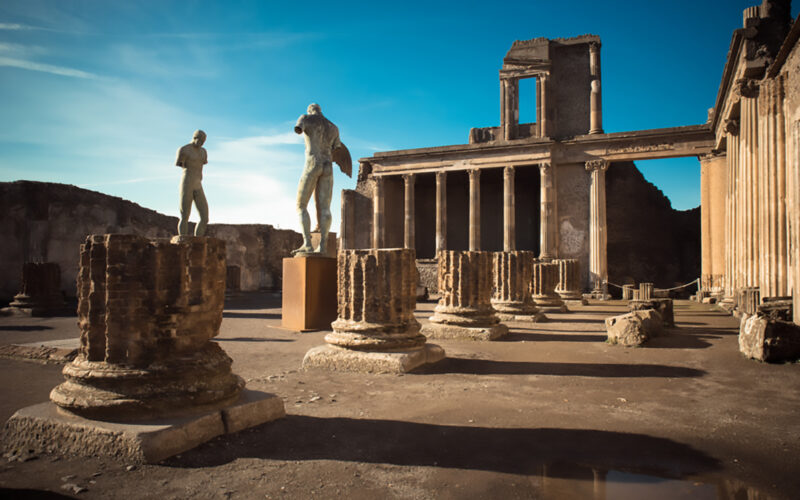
column 572, row 184
column 570, row 90
column 47, row 222
column 647, row 239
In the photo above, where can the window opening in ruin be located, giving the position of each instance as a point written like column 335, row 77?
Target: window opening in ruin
column 527, row 100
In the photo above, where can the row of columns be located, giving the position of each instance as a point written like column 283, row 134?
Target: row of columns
column 548, row 216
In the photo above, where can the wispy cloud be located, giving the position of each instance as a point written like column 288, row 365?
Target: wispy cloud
column 45, row 68
column 127, row 181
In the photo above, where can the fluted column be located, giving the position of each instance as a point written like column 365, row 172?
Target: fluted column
column 377, row 214
column 512, row 293
column 793, row 185
column 408, row 227
column 544, row 123
column 465, row 310
column 645, row 291
column 509, row 209
column 509, row 107
column 441, row 211
column 544, row 280
column 730, row 281
column 547, row 214
column 474, row 210
column 598, row 267
column 595, row 99
column 375, row 330
column 569, row 279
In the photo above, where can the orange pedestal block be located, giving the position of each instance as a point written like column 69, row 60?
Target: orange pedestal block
column 309, row 293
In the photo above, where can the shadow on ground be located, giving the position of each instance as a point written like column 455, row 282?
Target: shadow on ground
column 507, row 450
column 611, row 370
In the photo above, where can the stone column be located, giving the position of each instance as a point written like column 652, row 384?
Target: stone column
column 595, row 100
column 512, row 294
column 441, row 211
column 569, row 280
column 40, row 293
column 377, row 213
column 543, row 287
column 645, row 291
column 627, row 292
column 598, row 267
column 376, row 330
column 544, row 123
column 793, row 176
column 465, row 310
column 474, row 210
column 731, row 214
column 408, row 228
column 547, row 214
column 509, row 110
column 713, row 182
column 509, row 209
column 147, row 311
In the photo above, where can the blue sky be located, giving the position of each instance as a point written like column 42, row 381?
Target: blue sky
column 100, row 94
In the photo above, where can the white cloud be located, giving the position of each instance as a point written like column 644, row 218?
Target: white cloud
column 45, row 68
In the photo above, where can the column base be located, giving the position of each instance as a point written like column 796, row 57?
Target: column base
column 550, row 304
column 332, row 358
column 46, row 428
column 576, row 302
column 458, row 332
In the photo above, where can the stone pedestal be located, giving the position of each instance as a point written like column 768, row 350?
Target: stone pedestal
column 512, row 295
column 309, row 293
column 543, row 287
column 375, row 330
column 41, row 290
column 147, row 311
column 465, row 310
column 569, row 281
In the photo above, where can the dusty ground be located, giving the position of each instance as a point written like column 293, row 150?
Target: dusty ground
column 550, row 412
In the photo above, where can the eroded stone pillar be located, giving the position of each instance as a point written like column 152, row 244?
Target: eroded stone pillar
column 544, row 280
column 441, row 211
column 509, row 209
column 595, row 99
column 627, row 292
column 544, row 122
column 375, row 330
column 509, row 107
column 147, row 311
column 408, row 228
column 713, row 188
column 40, row 290
column 598, row 259
column 569, row 280
column 474, row 210
column 377, row 213
column 465, row 309
column 512, row 294
column 547, row 214
column 731, row 214
column 645, row 291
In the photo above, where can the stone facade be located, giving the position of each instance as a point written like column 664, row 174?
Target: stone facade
column 375, row 330
column 147, row 310
column 465, row 309
column 41, row 289
column 512, row 294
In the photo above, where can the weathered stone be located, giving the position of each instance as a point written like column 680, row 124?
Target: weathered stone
column 41, row 290
column 147, row 310
column 768, row 340
column 645, row 291
column 569, row 281
column 375, row 330
column 233, row 280
column 747, row 300
column 627, row 292
column 512, row 295
column 663, row 306
column 634, row 328
column 465, row 310
column 543, row 287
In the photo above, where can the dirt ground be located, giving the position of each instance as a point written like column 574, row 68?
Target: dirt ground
column 551, row 411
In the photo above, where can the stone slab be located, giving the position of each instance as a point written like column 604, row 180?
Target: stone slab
column 328, row 357
column 309, row 293
column 772, row 341
column 46, row 428
column 554, row 309
column 529, row 318
column 445, row 331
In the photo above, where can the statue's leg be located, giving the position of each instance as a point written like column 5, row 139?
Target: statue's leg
column 185, row 208
column 202, row 208
column 325, row 190
column 304, row 190
column 316, row 205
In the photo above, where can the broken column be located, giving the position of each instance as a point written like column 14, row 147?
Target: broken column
column 465, row 309
column 147, row 311
column 569, row 280
column 543, row 287
column 375, row 330
column 627, row 292
column 40, row 293
column 769, row 334
column 645, row 291
column 512, row 295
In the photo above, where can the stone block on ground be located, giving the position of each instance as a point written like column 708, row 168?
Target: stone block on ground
column 634, row 328
column 769, row 340
column 333, row 358
column 663, row 306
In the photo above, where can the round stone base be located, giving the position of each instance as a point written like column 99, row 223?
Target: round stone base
column 550, row 304
column 332, row 358
column 449, row 331
column 44, row 305
column 539, row 317
column 115, row 392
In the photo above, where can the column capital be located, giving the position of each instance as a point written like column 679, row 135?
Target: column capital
column 474, row 174
column 599, row 164
column 546, row 167
column 441, row 176
column 594, row 46
column 731, row 126
column 746, row 87
column 408, row 178
column 508, row 171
